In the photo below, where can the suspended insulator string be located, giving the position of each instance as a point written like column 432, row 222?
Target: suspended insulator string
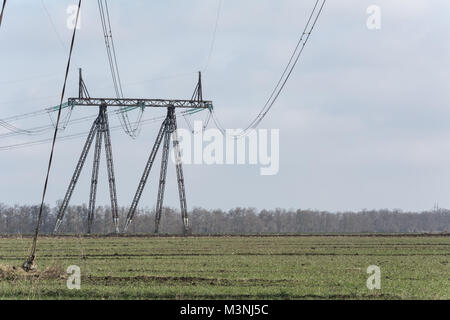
column 208, row 119
column 188, row 123
column 29, row 263
column 64, row 122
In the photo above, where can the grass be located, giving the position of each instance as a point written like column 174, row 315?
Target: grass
column 288, row 267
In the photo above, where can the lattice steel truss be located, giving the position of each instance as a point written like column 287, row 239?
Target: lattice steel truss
column 168, row 129
column 100, row 132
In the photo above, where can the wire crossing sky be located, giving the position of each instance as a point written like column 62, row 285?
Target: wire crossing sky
column 362, row 119
column 2, row 12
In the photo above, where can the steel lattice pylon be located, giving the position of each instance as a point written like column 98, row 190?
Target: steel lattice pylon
column 100, row 132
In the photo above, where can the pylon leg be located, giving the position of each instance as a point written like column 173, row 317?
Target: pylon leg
column 162, row 178
column 110, row 165
column 145, row 174
column 76, row 174
column 94, row 179
column 180, row 176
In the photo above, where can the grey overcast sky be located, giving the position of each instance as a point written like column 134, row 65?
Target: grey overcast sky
column 363, row 120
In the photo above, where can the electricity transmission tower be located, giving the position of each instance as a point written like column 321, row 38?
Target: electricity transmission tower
column 100, row 131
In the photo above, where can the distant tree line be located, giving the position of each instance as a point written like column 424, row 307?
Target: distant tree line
column 22, row 220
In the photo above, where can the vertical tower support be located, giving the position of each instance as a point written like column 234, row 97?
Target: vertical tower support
column 180, row 176
column 100, row 131
column 168, row 130
column 94, row 179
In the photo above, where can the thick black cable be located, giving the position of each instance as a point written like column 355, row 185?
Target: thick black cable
column 29, row 263
column 3, row 10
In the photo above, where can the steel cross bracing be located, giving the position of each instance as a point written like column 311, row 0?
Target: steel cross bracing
column 100, row 131
column 168, row 130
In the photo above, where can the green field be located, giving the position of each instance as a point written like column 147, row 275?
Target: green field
column 286, row 267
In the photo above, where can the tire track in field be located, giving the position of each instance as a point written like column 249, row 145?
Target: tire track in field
column 184, row 279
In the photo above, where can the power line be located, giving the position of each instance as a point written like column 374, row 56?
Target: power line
column 62, row 138
column 113, row 65
column 14, row 130
column 52, row 23
column 119, row 81
column 45, row 128
column 295, row 57
column 284, row 78
column 142, row 122
column 33, row 113
column 213, row 41
column 3, row 10
column 29, row 263
column 107, row 34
